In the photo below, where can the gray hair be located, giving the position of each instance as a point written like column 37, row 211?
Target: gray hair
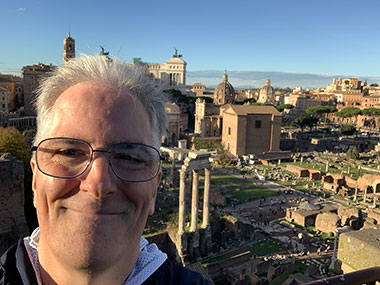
column 100, row 69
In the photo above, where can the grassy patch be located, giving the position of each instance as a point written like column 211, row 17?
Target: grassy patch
column 252, row 193
column 221, row 179
column 238, row 188
column 298, row 267
column 267, row 247
column 270, row 246
column 225, row 256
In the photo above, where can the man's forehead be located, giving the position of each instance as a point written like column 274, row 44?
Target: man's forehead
column 105, row 108
column 95, row 95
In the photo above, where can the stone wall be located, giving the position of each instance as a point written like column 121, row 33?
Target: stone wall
column 327, row 222
column 359, row 249
column 299, row 171
column 164, row 243
column 216, row 268
column 12, row 220
column 374, row 215
column 301, row 217
column 348, row 214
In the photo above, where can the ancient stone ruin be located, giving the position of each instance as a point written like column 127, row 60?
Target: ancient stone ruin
column 12, row 223
column 196, row 242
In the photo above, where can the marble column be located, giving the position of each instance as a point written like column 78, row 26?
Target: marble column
column 182, row 216
column 194, row 203
column 206, row 194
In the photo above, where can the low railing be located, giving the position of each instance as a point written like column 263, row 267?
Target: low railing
column 364, row 276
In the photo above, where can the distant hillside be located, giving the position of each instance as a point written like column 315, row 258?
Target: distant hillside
column 256, row 79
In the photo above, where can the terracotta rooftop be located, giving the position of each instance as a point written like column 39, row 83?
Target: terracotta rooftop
column 250, row 109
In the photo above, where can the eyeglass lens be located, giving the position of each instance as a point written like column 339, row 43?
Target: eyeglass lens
column 68, row 158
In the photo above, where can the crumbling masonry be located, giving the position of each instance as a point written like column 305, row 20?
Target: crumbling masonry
column 196, row 242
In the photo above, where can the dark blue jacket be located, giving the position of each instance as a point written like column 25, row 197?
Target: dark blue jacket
column 16, row 268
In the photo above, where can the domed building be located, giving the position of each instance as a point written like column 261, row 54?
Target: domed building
column 266, row 93
column 224, row 92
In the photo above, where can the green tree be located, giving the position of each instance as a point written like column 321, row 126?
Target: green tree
column 347, row 130
column 12, row 141
column 186, row 103
column 250, row 101
column 209, row 145
column 305, row 120
column 223, row 158
column 353, row 153
column 176, row 96
column 374, row 85
column 261, row 104
column 320, row 110
column 348, row 112
column 207, row 99
column 283, row 107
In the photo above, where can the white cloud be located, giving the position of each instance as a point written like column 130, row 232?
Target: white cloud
column 20, row 9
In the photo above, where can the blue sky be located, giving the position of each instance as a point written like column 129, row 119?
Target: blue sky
column 290, row 36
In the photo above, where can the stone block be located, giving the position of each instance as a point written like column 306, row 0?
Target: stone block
column 359, row 249
column 345, row 214
column 327, row 222
column 374, row 215
column 369, row 223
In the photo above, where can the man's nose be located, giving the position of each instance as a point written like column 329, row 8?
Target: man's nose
column 98, row 179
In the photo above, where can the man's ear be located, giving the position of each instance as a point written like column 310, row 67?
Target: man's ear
column 154, row 192
column 33, row 165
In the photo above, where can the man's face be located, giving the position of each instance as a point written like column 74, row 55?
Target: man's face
column 95, row 219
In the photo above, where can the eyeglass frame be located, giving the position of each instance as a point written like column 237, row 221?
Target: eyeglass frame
column 34, row 148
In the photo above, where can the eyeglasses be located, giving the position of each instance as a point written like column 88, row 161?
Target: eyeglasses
column 69, row 158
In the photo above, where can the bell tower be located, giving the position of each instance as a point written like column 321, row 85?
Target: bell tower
column 68, row 48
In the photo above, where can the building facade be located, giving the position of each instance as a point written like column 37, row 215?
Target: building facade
column 15, row 90
column 198, row 89
column 208, row 121
column 251, row 129
column 266, row 94
column 340, row 84
column 3, row 100
column 171, row 74
column 224, row 92
column 32, row 75
column 68, row 48
column 303, row 100
column 178, row 123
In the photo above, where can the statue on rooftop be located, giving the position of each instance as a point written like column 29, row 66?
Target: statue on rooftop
column 176, row 53
column 104, row 53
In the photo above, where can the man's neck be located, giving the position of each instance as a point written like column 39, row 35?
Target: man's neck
column 55, row 272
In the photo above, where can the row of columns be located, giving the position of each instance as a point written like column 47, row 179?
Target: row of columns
column 194, row 201
column 175, row 79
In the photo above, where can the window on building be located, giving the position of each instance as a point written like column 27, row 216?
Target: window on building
column 229, row 130
column 258, row 124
